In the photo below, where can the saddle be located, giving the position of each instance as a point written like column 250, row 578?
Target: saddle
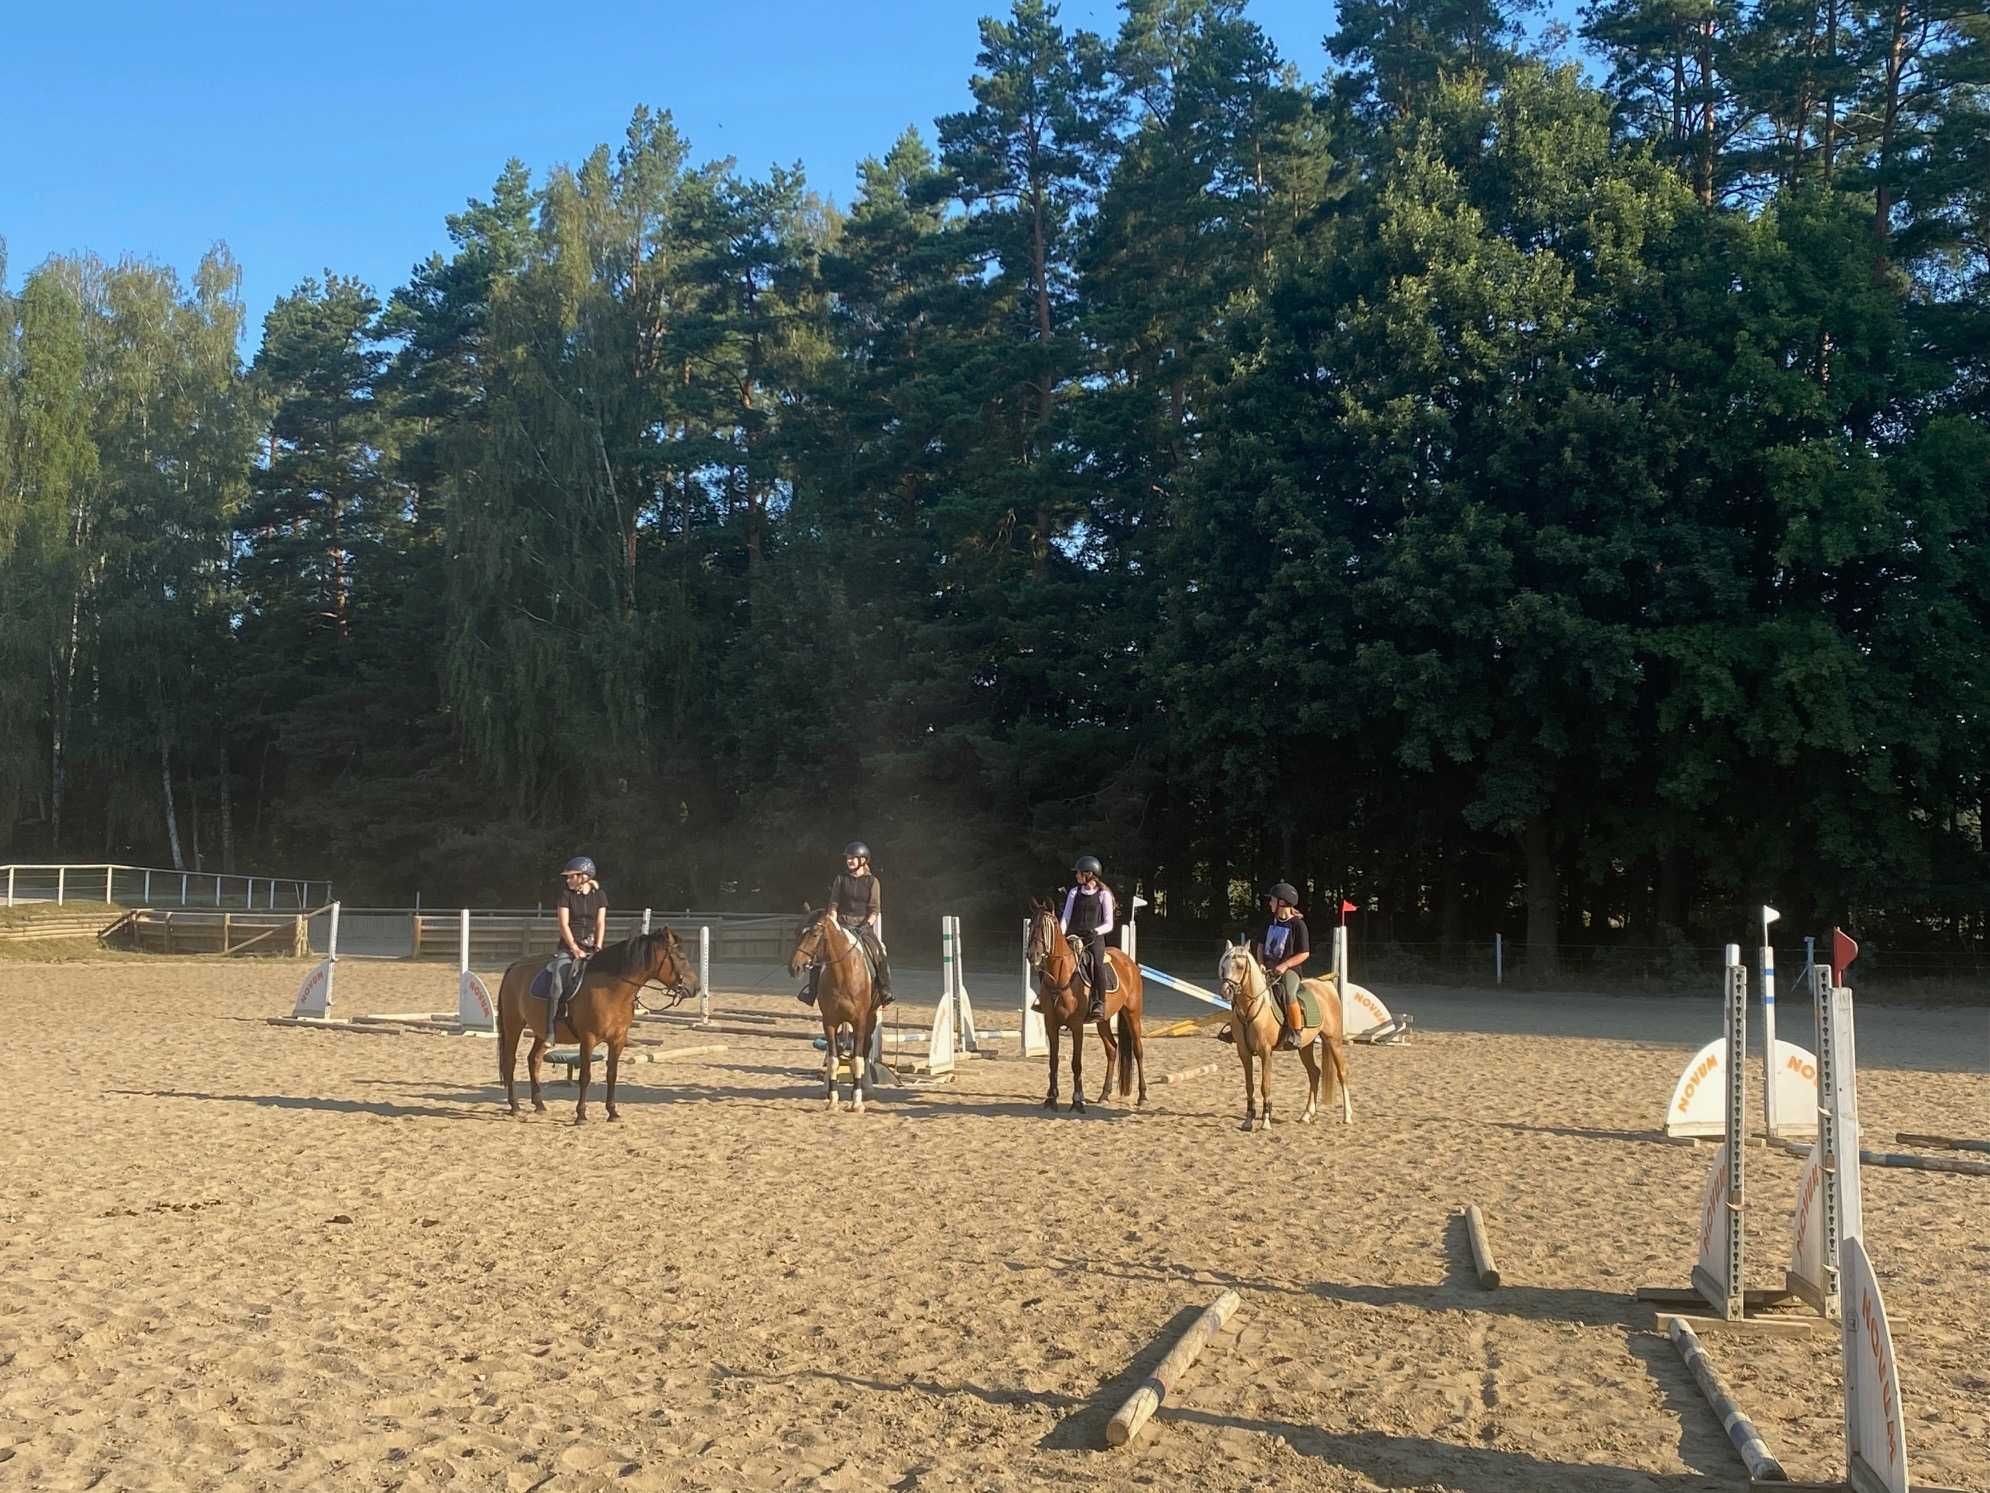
column 1084, row 958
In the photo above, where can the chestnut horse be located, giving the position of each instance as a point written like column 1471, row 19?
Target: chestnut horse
column 843, row 995
column 600, row 1011
column 1066, row 996
column 1255, row 1025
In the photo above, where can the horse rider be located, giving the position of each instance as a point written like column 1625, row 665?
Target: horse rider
column 1088, row 914
column 581, row 909
column 856, row 900
column 1282, row 947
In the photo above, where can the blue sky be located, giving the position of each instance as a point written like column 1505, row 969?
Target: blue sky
column 309, row 137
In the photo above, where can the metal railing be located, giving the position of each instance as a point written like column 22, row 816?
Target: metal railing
column 157, row 886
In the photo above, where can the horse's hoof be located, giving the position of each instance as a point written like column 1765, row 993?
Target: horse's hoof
column 613, row 1117
column 857, row 1107
column 1077, row 1106
column 538, row 1108
column 1250, row 1124
column 580, row 1119
column 1051, row 1102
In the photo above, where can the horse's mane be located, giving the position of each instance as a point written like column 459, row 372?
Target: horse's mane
column 632, row 956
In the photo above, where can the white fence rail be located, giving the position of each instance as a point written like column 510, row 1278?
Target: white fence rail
column 157, row 886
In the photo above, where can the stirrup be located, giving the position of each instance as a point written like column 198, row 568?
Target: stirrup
column 885, row 998
column 1227, row 1034
column 805, row 996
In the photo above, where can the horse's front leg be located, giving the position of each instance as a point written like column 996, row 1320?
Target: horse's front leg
column 614, row 1066
column 1054, row 1032
column 586, row 1075
column 829, row 1061
column 1264, row 1088
column 1078, row 1070
column 1250, row 1094
column 860, row 1058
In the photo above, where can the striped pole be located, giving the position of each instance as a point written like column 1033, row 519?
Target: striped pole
column 1755, row 1454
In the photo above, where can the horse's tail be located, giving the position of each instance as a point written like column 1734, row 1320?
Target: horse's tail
column 1126, row 1040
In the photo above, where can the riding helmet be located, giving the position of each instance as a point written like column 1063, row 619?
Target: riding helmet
column 857, row 848
column 1285, row 892
column 1088, row 863
column 579, row 863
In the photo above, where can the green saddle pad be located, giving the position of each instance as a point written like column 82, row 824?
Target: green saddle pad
column 1310, row 1006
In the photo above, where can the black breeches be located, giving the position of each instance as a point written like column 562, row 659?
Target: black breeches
column 1095, row 951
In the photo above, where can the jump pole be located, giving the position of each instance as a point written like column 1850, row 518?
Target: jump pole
column 1482, row 1255
column 1155, row 1388
column 1755, row 1454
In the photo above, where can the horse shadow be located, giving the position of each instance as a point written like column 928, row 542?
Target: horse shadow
column 325, row 1105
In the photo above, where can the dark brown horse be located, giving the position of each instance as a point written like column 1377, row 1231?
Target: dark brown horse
column 600, row 1012
column 843, row 996
column 1066, row 996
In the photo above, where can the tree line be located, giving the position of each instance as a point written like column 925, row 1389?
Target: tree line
column 1508, row 495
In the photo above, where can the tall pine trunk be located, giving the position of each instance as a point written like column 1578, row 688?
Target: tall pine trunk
column 227, row 797
column 166, row 800
column 1537, row 843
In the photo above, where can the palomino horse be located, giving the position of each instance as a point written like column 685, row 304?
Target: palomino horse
column 1065, row 996
column 843, row 996
column 1255, row 1024
column 600, row 1011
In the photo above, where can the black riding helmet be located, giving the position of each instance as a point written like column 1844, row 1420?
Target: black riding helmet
column 1283, row 891
column 1088, row 863
column 581, row 864
column 858, row 849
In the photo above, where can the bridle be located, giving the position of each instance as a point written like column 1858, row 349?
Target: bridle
column 1037, row 956
column 1242, row 998
column 821, row 929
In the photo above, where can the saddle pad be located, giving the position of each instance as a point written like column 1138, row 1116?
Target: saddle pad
column 542, row 984
column 1310, row 1007
column 1078, row 950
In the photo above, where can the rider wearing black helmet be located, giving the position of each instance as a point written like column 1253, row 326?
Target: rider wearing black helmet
column 1282, row 948
column 857, row 899
column 582, row 911
column 1089, row 913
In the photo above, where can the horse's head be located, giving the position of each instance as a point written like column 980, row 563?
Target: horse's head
column 1044, row 940
column 1239, row 976
column 663, row 955
column 810, row 940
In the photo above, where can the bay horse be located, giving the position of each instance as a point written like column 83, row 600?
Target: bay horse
column 599, row 1013
column 844, row 996
column 1255, row 1025
column 1066, row 996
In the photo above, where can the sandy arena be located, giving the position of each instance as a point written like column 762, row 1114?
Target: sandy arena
column 239, row 1257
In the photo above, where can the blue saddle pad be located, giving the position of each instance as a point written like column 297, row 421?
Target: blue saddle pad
column 542, row 984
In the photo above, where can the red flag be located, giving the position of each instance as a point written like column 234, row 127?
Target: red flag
column 1844, row 949
column 1346, row 907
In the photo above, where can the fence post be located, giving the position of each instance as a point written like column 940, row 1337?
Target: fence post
column 1498, row 959
column 463, row 943
column 146, row 898
column 109, row 871
column 10, row 886
column 705, row 974
column 225, row 918
column 183, row 889
column 61, row 876
column 414, row 935
column 217, row 891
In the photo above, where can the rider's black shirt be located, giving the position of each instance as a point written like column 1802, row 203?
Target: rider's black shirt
column 581, row 907
column 856, row 898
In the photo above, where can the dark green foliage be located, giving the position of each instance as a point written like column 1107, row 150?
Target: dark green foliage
column 1512, row 503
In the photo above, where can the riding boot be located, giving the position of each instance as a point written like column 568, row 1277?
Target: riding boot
column 884, row 982
column 806, row 995
column 1097, row 1012
column 1295, row 1020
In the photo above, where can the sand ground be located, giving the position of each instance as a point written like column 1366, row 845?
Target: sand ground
column 239, row 1257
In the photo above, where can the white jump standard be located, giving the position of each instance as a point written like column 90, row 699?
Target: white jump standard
column 1718, row 1278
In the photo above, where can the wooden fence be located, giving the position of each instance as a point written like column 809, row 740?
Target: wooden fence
column 265, row 934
